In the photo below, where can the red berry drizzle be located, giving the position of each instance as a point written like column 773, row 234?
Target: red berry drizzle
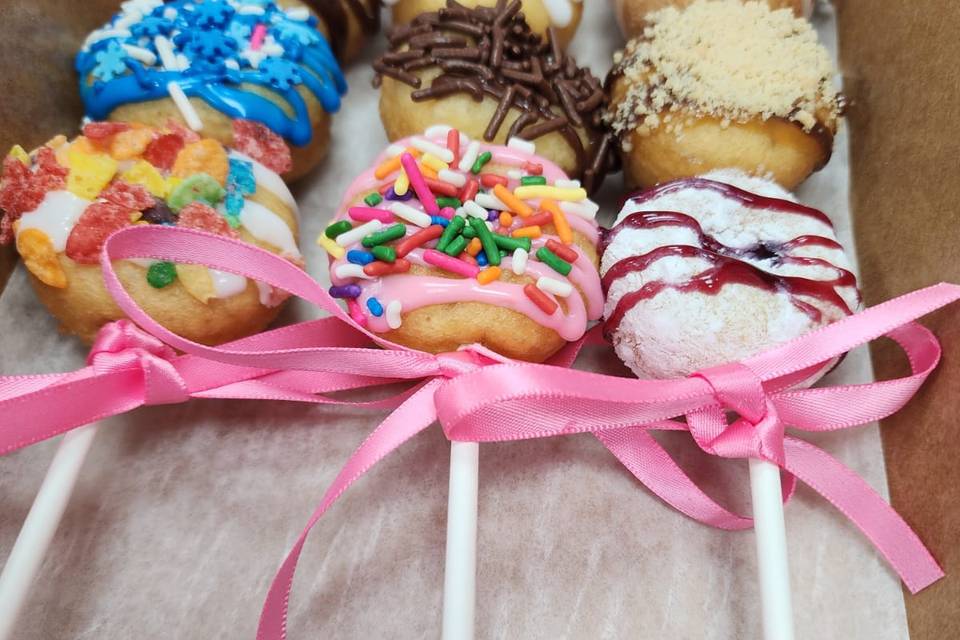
column 728, row 265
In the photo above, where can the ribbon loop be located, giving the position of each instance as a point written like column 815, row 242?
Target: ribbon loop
column 122, row 345
column 757, row 432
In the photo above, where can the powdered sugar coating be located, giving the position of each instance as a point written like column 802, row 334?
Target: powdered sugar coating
column 677, row 327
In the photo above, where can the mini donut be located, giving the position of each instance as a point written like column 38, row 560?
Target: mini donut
column 723, row 84
column 563, row 15
column 631, row 13
column 62, row 201
column 347, row 24
column 458, row 66
column 258, row 77
column 447, row 242
column 703, row 271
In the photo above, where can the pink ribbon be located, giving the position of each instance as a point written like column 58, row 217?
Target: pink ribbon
column 478, row 396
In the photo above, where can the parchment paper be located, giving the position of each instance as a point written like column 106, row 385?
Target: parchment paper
column 183, row 513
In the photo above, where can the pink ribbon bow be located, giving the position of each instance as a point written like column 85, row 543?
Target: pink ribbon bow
column 479, row 397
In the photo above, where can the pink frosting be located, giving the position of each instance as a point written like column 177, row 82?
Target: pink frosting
column 416, row 291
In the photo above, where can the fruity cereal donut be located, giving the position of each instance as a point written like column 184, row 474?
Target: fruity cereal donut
column 562, row 15
column 248, row 73
column 448, row 241
column 484, row 72
column 61, row 202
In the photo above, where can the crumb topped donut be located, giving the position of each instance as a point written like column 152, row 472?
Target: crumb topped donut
column 248, row 73
column 631, row 13
column 703, row 271
column 541, row 15
column 448, row 241
column 61, row 202
column 723, row 84
column 484, row 72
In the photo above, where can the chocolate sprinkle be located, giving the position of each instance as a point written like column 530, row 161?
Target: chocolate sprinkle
column 491, row 51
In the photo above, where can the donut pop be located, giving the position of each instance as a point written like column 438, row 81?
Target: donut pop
column 631, row 13
column 61, row 202
column 723, row 84
column 562, row 15
column 448, row 242
column 251, row 74
column 704, row 271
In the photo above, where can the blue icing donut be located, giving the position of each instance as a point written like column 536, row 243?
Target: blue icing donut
column 213, row 56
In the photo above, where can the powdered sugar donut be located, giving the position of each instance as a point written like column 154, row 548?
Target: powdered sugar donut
column 699, row 272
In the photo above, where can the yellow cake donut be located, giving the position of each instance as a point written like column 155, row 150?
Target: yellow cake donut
column 630, row 13
column 61, row 202
column 425, row 280
column 527, row 88
column 563, row 15
column 256, row 76
column 723, row 84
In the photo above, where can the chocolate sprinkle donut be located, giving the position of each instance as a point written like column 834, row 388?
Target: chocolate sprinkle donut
column 491, row 51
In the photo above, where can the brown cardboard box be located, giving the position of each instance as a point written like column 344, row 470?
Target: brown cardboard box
column 38, row 95
column 899, row 59
column 900, row 62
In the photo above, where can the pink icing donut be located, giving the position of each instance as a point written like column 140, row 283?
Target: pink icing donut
column 488, row 244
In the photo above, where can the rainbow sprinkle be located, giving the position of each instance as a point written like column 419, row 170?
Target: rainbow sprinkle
column 460, row 210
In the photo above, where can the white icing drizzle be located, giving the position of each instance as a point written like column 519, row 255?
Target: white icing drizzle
column 266, row 226
column 227, row 284
column 270, row 181
column 56, row 216
column 267, row 297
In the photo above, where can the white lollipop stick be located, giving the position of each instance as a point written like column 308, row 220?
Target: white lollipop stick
column 771, row 550
column 460, row 576
column 41, row 525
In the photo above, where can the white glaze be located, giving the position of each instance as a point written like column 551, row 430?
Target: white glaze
column 56, row 217
column 266, row 226
column 226, row 285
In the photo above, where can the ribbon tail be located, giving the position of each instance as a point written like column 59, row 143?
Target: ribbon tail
column 54, row 409
column 412, row 417
column 652, row 466
column 857, row 500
